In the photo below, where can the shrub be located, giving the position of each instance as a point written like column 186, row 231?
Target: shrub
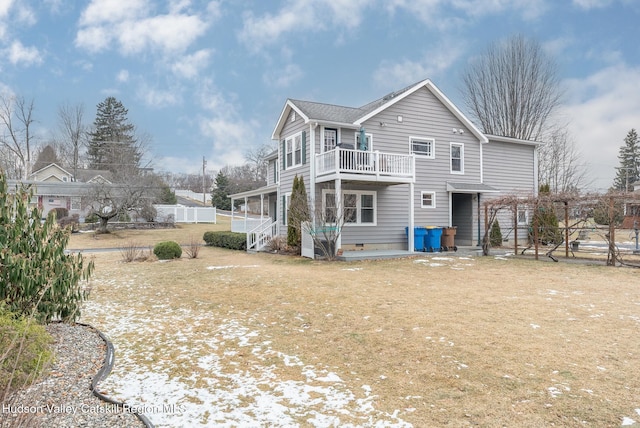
column 25, row 347
column 548, row 227
column 495, row 234
column 73, row 222
column 92, row 218
column 193, row 249
column 60, row 213
column 230, row 240
column 167, row 250
column 36, row 276
column 130, row 252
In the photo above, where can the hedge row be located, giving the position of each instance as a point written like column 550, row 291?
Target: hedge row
column 230, row 240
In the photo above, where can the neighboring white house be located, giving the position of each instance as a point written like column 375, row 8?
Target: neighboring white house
column 408, row 159
column 55, row 187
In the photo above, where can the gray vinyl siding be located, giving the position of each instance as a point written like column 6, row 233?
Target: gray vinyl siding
column 286, row 176
column 509, row 167
column 424, row 116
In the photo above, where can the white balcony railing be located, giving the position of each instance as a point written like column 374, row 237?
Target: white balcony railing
column 373, row 164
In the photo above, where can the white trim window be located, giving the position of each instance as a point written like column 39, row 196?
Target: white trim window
column 428, row 199
column 523, row 216
column 369, row 145
column 293, row 149
column 457, row 158
column 330, row 140
column 359, row 207
column 76, row 203
column 423, row 147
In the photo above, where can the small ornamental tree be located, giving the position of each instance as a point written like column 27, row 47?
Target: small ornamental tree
column 298, row 212
column 495, row 235
column 36, row 276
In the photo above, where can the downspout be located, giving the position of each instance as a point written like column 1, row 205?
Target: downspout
column 312, row 171
column 536, row 183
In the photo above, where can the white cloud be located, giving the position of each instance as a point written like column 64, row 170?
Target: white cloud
column 123, row 76
column 602, row 108
column 592, row 4
column 283, row 77
column 5, row 6
column 301, row 16
column 190, row 66
column 23, row 55
column 134, row 28
column 433, row 63
column 448, row 14
column 158, row 98
column 230, row 134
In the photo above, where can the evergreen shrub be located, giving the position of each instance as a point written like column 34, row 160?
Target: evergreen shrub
column 230, row 240
column 167, row 250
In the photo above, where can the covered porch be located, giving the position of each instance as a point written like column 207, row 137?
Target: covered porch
column 259, row 223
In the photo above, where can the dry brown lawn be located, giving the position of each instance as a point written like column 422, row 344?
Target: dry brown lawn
column 439, row 341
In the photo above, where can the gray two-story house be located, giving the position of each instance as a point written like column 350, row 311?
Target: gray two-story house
column 408, row 159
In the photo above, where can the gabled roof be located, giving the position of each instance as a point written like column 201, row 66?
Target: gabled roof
column 354, row 116
column 55, row 165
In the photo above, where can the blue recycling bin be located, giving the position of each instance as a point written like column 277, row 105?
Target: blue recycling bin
column 432, row 239
column 419, row 234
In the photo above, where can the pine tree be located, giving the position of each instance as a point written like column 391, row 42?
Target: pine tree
column 112, row 143
column 220, row 194
column 629, row 170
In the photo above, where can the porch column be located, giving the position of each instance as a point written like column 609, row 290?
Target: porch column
column 246, row 202
column 261, row 205
column 339, row 212
column 411, row 244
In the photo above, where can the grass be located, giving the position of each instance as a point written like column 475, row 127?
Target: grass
column 442, row 341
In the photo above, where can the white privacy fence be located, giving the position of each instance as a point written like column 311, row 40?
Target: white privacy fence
column 182, row 214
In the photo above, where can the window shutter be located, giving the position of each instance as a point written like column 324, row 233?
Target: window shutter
column 283, row 154
column 304, row 147
column 284, row 209
column 275, row 172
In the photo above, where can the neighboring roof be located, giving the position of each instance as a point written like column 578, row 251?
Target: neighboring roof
column 87, row 175
column 470, row 188
column 355, row 116
column 501, row 139
column 49, row 166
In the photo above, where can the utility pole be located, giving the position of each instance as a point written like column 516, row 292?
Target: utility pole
column 204, row 192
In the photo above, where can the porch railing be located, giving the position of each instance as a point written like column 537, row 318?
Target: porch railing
column 374, row 163
column 258, row 237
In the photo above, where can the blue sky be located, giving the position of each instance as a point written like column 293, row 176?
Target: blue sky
column 210, row 78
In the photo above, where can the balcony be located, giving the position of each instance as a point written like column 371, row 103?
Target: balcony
column 359, row 165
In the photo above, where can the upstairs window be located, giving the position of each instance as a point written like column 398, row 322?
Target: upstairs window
column 457, row 158
column 330, row 139
column 424, row 147
column 293, row 151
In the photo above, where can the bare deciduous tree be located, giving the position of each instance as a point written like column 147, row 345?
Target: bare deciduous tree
column 560, row 164
column 513, row 89
column 72, row 134
column 16, row 119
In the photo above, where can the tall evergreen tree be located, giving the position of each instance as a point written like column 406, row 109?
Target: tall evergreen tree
column 298, row 212
column 220, row 194
column 629, row 170
column 112, row 143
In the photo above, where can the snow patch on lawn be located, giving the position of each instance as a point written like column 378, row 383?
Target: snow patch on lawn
column 224, row 375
